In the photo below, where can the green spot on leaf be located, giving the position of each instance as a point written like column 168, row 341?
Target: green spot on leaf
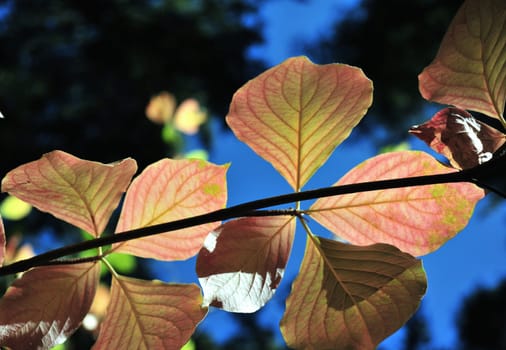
column 212, row 189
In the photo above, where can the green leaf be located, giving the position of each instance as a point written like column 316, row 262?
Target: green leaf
column 417, row 220
column 170, row 190
column 80, row 192
column 469, row 70
column 150, row 315
column 13, row 208
column 242, row 262
column 122, row 263
column 295, row 114
column 46, row 305
column 351, row 297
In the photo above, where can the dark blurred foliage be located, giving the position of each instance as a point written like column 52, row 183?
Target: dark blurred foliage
column 77, row 75
column 482, row 319
column 392, row 41
column 417, row 332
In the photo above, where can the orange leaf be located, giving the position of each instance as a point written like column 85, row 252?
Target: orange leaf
column 78, row 191
column 47, row 304
column 161, row 107
column 349, row 297
column 417, row 220
column 295, row 114
column 150, row 315
column 169, row 190
column 2, row 241
column 469, row 70
column 242, row 262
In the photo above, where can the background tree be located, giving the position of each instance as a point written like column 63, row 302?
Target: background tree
column 392, row 47
column 482, row 319
column 78, row 75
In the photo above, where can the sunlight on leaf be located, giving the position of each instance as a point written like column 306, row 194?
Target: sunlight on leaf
column 2, row 241
column 46, row 305
column 170, row 190
column 150, row 315
column 13, row 208
column 295, row 114
column 417, row 220
column 81, row 192
column 461, row 138
column 350, row 297
column 242, row 262
column 122, row 263
column 469, row 70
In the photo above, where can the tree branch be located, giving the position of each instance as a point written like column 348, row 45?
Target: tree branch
column 246, row 209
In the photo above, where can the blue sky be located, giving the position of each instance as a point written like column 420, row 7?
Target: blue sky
column 475, row 257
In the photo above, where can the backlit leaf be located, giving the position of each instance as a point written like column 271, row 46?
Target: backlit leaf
column 417, row 220
column 350, row 297
column 150, row 315
column 242, row 262
column 46, row 305
column 295, row 114
column 170, row 190
column 461, row 138
column 469, row 70
column 2, row 241
column 81, row 192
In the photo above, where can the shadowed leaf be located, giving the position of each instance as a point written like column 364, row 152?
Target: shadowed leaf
column 295, row 114
column 81, row 192
column 242, row 262
column 350, row 297
column 46, row 305
column 150, row 315
column 170, row 190
column 461, row 138
column 417, row 220
column 161, row 107
column 469, row 70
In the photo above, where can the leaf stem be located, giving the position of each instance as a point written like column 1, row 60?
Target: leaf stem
column 246, row 209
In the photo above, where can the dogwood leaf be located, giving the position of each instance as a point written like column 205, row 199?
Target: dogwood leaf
column 242, row 262
column 169, row 190
column 47, row 304
column 461, row 138
column 469, row 70
column 150, row 315
column 80, row 192
column 295, row 114
column 417, row 220
column 350, row 297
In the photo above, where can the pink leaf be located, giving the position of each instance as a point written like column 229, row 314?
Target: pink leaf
column 170, row 190
column 417, row 220
column 469, row 70
column 47, row 304
column 465, row 141
column 81, row 192
column 242, row 262
column 349, row 297
column 150, row 315
column 295, row 114
column 2, row 242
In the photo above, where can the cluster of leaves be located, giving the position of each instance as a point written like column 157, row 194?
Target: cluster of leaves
column 352, row 291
